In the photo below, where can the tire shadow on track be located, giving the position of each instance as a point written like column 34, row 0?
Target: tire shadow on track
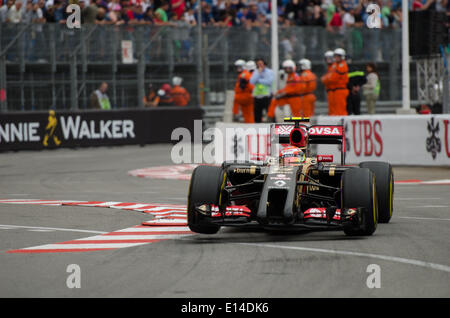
column 252, row 235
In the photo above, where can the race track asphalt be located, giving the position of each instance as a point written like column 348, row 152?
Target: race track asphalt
column 412, row 251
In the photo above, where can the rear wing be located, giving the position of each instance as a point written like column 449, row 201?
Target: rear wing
column 316, row 134
column 326, row 134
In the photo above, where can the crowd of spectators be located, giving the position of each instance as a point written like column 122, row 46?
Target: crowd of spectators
column 333, row 14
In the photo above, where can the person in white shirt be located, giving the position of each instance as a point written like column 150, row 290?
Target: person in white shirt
column 371, row 90
column 15, row 13
column 189, row 17
column 348, row 20
column 4, row 11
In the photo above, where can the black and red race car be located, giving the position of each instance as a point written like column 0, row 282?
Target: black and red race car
column 280, row 193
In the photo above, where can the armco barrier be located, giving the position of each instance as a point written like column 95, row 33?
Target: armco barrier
column 41, row 130
column 398, row 139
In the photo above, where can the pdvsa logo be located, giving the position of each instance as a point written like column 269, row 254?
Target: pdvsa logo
column 328, row 131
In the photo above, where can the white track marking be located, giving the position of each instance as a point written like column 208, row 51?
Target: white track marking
column 416, row 199
column 155, row 229
column 408, row 261
column 427, row 206
column 169, row 223
column 420, row 182
column 104, row 204
column 37, row 202
column 63, row 246
column 130, row 207
column 48, row 228
column 421, row 218
column 132, row 237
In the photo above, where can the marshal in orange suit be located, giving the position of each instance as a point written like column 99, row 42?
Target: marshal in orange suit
column 243, row 98
column 180, row 96
column 338, row 80
column 329, row 59
column 290, row 94
column 308, row 85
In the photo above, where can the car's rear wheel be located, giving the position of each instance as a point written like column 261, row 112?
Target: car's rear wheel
column 205, row 187
column 358, row 191
column 384, row 179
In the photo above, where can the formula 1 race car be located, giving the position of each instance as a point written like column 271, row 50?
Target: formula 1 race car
column 293, row 189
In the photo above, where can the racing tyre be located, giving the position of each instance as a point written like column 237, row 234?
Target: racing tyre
column 205, row 188
column 358, row 191
column 384, row 180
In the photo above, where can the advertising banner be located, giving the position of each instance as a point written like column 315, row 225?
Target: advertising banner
column 398, row 139
column 127, row 52
column 55, row 129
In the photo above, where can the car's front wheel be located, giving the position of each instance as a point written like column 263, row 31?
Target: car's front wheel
column 384, row 179
column 358, row 191
column 205, row 187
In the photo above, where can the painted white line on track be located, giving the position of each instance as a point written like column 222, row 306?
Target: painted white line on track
column 428, row 206
column 48, row 228
column 155, row 229
column 132, row 237
column 416, row 199
column 421, row 218
column 396, row 259
column 64, row 246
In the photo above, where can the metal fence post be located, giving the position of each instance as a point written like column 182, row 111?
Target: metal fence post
column 225, row 63
column 140, row 72
column 206, row 88
column 446, row 85
column 52, row 46
column 199, row 54
column 170, row 51
column 114, row 67
column 83, row 50
column 73, row 83
column 3, row 95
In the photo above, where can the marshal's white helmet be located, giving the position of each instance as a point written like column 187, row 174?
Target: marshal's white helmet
column 239, row 63
column 250, row 66
column 289, row 64
column 329, row 57
column 176, row 81
column 340, row 52
column 305, row 64
column 328, row 54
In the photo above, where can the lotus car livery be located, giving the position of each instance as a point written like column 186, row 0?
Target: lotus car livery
column 278, row 192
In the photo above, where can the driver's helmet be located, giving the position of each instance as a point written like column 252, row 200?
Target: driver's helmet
column 292, row 155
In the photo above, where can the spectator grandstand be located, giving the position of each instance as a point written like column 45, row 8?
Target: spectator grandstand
column 336, row 15
column 45, row 64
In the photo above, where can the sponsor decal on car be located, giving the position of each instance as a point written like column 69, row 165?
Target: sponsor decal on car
column 325, row 131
